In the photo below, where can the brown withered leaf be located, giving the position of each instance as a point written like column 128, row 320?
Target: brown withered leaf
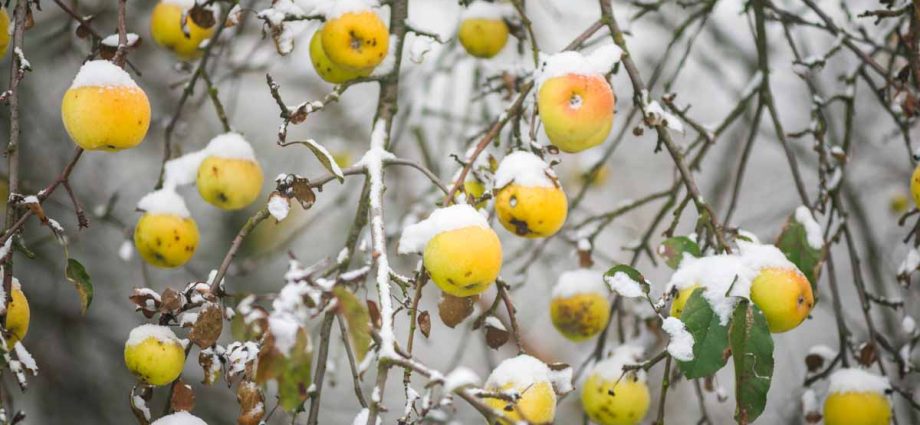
column 82, row 31
column 210, row 365
column 496, row 337
column 454, row 310
column 145, row 301
column 424, row 323
column 374, row 311
column 170, row 301
column 303, row 193
column 141, row 393
column 813, row 417
column 208, row 326
column 183, row 399
column 252, row 403
column 38, row 211
column 30, row 20
column 867, row 354
column 814, row 362
column 202, row 16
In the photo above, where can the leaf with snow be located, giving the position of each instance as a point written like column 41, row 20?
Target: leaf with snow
column 324, row 157
column 626, row 281
column 799, row 247
column 680, row 346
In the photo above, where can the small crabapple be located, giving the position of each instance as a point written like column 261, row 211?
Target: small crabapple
column 356, row 41
column 483, row 38
column 531, row 211
column 465, row 261
column 18, row 315
column 154, row 354
column 576, row 110
column 166, row 240
column 167, row 30
column 328, row 70
column 229, row 183
column 784, row 295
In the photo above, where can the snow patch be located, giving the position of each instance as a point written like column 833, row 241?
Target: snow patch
column 361, row 418
column 726, row 279
column 102, row 73
column 146, row 331
column 812, row 229
column 578, row 282
column 279, row 206
column 525, row 169
column 179, row 418
column 486, row 10
column 681, row 345
column 518, row 372
column 852, row 380
column 416, row 236
column 164, row 201
column 459, row 378
column 624, row 285
column 611, row 368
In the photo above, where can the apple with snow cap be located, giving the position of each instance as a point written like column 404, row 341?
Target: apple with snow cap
column 460, row 251
column 857, row 397
column 326, row 68
column 166, row 235
column 154, row 354
column 229, row 177
column 179, row 418
column 610, row 397
column 104, row 109
column 166, row 28
column 530, row 202
column 530, row 379
column 354, row 37
column 575, row 101
column 483, row 31
column 779, row 289
column 579, row 308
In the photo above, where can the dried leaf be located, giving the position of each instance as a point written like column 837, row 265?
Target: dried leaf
column 141, row 395
column 424, row 323
column 170, row 300
column 208, row 326
column 358, row 319
column 814, row 362
column 210, row 365
column 454, row 310
column 867, row 354
column 202, row 16
column 147, row 301
column 252, row 403
column 374, row 312
column 496, row 337
column 183, row 399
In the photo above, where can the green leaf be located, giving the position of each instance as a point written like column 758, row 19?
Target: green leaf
column 292, row 371
column 324, row 157
column 77, row 275
column 673, row 250
column 710, row 338
column 358, row 319
column 631, row 272
column 793, row 242
column 752, row 351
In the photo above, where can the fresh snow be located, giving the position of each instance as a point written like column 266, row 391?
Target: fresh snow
column 525, row 169
column 624, row 285
column 681, row 345
column 518, row 372
column 416, row 236
column 112, row 40
column 851, row 380
column 486, row 10
column 580, row 281
column 718, row 274
column 459, row 378
column 361, row 418
column 179, row 418
column 341, row 7
column 596, row 63
column 164, row 201
column 279, row 206
column 146, row 331
column 611, row 368
column 812, row 228
column 102, row 73
column 184, row 169
column 910, row 263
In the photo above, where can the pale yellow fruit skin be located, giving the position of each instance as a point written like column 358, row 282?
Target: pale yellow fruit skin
column 677, row 306
column 356, row 40
column 915, row 186
column 475, row 189
column 576, row 110
column 854, row 408
column 580, row 316
column 531, row 211
column 784, row 296
column 166, row 30
column 537, row 405
column 154, row 361
column 465, row 261
column 328, row 70
column 17, row 318
column 106, row 118
column 627, row 405
column 229, row 183
column 4, row 31
column 166, row 240
column 483, row 38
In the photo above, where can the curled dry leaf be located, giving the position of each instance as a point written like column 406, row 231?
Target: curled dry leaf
column 496, row 337
column 147, row 301
column 424, row 323
column 252, row 403
column 454, row 310
column 141, row 395
column 170, row 301
column 374, row 312
column 867, row 354
column 814, row 362
column 210, row 365
column 202, row 16
column 208, row 326
column 183, row 399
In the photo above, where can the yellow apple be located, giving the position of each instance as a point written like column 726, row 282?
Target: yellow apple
column 229, row 183
column 483, row 38
column 356, row 40
column 18, row 315
column 529, row 379
column 154, row 354
column 784, row 295
column 464, row 261
column 677, row 306
column 166, row 30
column 4, row 31
column 608, row 402
column 104, row 109
column 327, row 69
column 531, row 211
column 166, row 240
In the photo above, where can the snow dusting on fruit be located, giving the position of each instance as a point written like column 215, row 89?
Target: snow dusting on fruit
column 596, row 63
column 102, row 73
column 853, row 380
column 339, row 8
column 611, row 368
column 524, row 169
column 579, row 282
column 164, row 201
column 184, row 169
column 518, row 372
column 726, row 279
column 179, row 418
column 416, row 236
column 147, row 331
column 487, row 10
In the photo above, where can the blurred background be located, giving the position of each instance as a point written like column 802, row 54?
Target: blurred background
column 82, row 377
